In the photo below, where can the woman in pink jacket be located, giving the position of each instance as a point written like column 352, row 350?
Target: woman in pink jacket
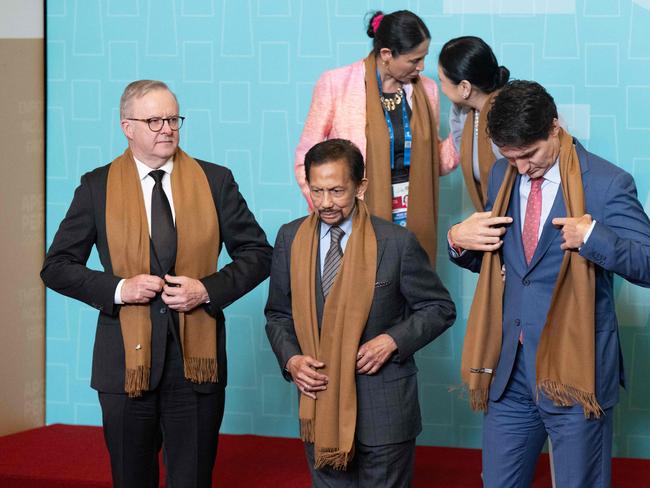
column 390, row 111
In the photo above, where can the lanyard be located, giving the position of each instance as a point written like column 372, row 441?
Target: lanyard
column 408, row 136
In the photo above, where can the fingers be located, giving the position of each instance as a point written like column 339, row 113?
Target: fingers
column 141, row 288
column 498, row 221
column 560, row 221
column 370, row 361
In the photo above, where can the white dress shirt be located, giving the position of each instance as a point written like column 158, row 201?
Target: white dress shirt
column 148, row 183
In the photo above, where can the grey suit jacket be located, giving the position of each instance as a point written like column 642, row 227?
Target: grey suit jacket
column 410, row 304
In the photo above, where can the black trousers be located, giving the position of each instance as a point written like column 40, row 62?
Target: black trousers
column 186, row 423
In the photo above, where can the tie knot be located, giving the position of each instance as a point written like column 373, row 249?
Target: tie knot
column 157, row 175
column 337, row 233
column 536, row 183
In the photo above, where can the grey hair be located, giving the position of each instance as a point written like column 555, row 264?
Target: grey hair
column 138, row 89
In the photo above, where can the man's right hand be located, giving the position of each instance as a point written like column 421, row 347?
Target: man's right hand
column 479, row 232
column 304, row 374
column 141, row 288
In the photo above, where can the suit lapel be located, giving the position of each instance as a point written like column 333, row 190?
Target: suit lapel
column 320, row 298
column 549, row 232
column 381, row 246
column 515, row 229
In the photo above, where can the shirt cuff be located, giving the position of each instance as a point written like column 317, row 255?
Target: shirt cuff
column 117, row 298
column 455, row 251
column 591, row 229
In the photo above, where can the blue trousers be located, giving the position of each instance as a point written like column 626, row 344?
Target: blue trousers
column 514, row 432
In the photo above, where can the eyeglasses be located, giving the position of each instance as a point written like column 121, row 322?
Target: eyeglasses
column 156, row 123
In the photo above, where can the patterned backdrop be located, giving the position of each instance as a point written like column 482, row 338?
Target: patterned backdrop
column 244, row 71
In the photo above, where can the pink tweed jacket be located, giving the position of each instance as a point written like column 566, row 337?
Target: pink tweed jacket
column 338, row 110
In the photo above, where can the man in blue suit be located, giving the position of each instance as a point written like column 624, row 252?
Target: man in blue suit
column 545, row 360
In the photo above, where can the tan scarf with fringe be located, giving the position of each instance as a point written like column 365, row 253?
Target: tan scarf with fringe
column 477, row 189
column 422, row 212
column 566, row 352
column 127, row 232
column 330, row 421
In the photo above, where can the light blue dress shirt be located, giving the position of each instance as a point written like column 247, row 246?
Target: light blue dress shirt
column 326, row 238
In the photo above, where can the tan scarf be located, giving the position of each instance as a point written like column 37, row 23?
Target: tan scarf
column 422, row 213
column 330, row 421
column 197, row 229
column 566, row 351
column 477, row 189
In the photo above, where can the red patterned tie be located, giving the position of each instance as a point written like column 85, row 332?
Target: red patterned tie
column 533, row 214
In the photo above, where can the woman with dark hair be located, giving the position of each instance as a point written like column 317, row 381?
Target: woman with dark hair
column 470, row 77
column 390, row 111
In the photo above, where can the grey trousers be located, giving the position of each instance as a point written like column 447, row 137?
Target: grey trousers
column 387, row 466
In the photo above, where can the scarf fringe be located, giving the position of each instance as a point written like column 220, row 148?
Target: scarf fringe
column 136, row 381
column 201, row 370
column 333, row 457
column 566, row 396
column 478, row 399
column 307, row 430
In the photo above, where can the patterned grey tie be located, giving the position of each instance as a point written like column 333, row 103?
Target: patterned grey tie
column 332, row 259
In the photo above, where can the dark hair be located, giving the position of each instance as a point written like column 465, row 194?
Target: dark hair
column 522, row 113
column 401, row 32
column 336, row 150
column 470, row 58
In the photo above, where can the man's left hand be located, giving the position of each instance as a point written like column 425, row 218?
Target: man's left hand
column 373, row 354
column 574, row 230
column 183, row 294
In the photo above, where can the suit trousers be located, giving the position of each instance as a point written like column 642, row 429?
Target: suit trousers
column 186, row 422
column 514, row 431
column 387, row 466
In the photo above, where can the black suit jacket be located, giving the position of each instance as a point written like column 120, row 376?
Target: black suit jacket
column 410, row 304
column 84, row 225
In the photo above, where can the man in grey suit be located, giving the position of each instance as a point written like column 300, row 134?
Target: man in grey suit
column 408, row 307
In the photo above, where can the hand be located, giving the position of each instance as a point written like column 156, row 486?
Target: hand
column 304, row 374
column 141, row 288
column 479, row 232
column 373, row 354
column 183, row 294
column 574, row 230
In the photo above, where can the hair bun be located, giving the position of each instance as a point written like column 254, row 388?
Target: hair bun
column 371, row 27
column 503, row 75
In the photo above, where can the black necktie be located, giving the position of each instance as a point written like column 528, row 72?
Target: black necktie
column 163, row 232
column 332, row 259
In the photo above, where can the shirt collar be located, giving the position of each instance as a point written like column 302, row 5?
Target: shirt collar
column 144, row 170
column 552, row 175
column 346, row 226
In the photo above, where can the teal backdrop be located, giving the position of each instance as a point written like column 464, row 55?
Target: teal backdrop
column 243, row 71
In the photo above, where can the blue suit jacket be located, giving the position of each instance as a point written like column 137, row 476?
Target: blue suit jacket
column 619, row 243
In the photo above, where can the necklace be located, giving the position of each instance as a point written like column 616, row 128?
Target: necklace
column 392, row 102
column 476, row 116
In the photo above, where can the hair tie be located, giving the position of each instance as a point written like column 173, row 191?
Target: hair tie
column 376, row 21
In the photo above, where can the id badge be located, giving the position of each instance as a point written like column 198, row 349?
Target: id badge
column 400, row 202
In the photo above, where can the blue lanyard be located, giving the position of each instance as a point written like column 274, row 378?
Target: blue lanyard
column 408, row 136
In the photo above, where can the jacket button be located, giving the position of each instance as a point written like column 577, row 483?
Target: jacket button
column 526, row 282
column 163, row 310
column 517, row 322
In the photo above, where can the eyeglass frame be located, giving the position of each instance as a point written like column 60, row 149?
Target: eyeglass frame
column 163, row 119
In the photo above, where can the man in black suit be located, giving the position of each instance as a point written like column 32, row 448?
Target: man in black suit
column 158, row 219
column 398, row 307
